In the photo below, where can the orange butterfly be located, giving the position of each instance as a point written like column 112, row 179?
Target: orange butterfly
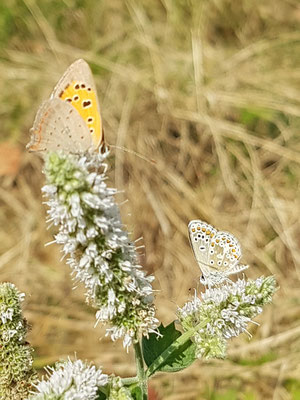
column 70, row 120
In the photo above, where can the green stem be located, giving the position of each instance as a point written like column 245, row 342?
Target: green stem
column 173, row 347
column 140, row 370
column 130, row 381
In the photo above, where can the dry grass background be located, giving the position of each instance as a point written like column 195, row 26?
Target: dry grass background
column 210, row 91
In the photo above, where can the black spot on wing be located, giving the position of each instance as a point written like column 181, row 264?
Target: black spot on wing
column 87, row 103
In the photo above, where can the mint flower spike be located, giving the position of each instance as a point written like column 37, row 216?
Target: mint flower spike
column 16, row 372
column 71, row 380
column 228, row 310
column 99, row 251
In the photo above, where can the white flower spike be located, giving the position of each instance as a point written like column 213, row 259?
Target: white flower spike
column 227, row 311
column 99, row 251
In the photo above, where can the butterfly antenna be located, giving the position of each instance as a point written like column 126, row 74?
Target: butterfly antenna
column 150, row 160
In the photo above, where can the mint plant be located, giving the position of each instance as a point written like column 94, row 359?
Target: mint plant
column 101, row 256
column 16, row 355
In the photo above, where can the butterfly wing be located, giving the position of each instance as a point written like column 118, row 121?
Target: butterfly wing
column 57, row 126
column 77, row 87
column 225, row 251
column 201, row 234
column 217, row 253
column 236, row 269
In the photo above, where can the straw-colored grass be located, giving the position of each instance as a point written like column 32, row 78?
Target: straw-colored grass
column 209, row 90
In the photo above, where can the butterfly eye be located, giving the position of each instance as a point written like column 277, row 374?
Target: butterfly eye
column 92, row 130
column 82, row 86
column 212, row 262
column 77, row 86
column 202, row 248
column 75, row 98
column 69, row 100
column 90, row 120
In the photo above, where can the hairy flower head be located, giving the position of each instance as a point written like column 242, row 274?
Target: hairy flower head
column 16, row 371
column 71, row 380
column 98, row 249
column 225, row 312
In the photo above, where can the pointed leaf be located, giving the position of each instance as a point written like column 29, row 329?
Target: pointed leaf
column 181, row 357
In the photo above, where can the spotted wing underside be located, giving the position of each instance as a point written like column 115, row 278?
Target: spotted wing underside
column 217, row 252
column 57, row 126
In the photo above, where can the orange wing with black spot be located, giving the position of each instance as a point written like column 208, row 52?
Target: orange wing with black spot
column 77, row 87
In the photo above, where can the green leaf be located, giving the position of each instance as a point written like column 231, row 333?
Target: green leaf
column 180, row 358
column 101, row 396
column 155, row 345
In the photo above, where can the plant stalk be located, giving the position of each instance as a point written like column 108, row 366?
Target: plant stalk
column 140, row 370
column 130, row 381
